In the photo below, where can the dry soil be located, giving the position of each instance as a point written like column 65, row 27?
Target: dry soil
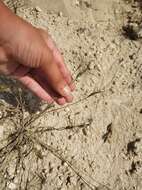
column 96, row 142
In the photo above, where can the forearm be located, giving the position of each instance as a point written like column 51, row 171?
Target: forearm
column 10, row 24
column 7, row 18
column 5, row 12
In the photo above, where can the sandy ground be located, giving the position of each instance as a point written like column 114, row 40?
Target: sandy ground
column 94, row 143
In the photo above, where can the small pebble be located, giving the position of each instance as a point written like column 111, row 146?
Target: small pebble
column 91, row 66
column 60, row 14
column 38, row 9
column 77, row 3
column 12, row 186
column 67, row 109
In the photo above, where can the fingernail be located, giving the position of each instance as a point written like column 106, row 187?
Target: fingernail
column 68, row 94
column 67, row 91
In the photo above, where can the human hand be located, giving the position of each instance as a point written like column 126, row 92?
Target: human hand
column 29, row 55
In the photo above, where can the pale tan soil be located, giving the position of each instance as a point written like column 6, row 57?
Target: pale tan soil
column 96, row 142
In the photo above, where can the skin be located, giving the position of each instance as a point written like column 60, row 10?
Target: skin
column 29, row 55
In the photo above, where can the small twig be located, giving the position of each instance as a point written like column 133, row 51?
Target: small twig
column 56, row 154
column 69, row 127
column 33, row 119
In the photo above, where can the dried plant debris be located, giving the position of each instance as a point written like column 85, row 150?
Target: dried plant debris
column 79, row 146
column 132, row 32
column 132, row 147
column 108, row 134
column 134, row 167
column 134, row 3
column 133, row 28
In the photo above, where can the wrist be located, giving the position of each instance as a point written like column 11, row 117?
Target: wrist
column 10, row 24
column 7, row 23
column 11, row 28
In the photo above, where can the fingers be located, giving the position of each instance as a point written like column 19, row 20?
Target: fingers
column 56, row 79
column 35, row 87
column 35, row 82
column 54, row 72
column 66, row 74
column 39, row 77
column 59, row 59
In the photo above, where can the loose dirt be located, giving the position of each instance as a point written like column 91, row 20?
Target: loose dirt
column 94, row 143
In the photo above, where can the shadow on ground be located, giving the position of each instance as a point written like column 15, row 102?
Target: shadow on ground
column 13, row 93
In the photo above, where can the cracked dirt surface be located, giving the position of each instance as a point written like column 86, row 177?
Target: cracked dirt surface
column 94, row 143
